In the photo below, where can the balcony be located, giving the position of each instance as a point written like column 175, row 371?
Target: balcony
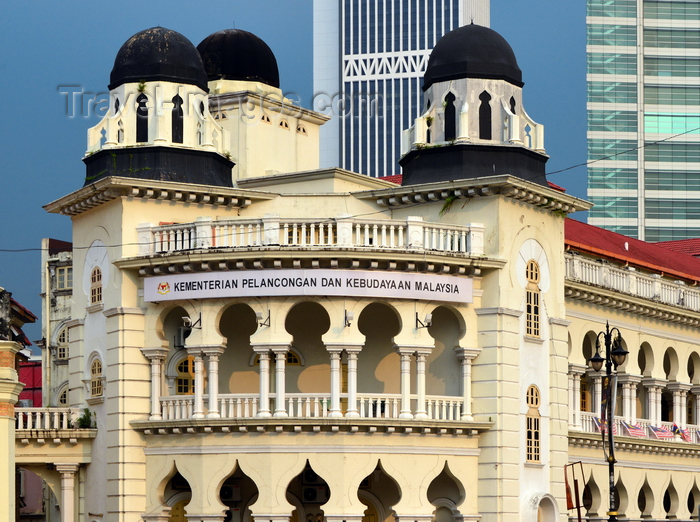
column 342, row 232
column 628, row 281
column 313, row 406
column 588, row 425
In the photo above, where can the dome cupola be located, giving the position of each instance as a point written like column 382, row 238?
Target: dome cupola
column 158, row 54
column 473, row 122
column 472, row 51
column 233, row 54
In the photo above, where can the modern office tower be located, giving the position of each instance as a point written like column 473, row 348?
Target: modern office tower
column 644, row 117
column 369, row 60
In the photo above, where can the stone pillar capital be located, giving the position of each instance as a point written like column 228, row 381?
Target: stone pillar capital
column 213, row 350
column 577, row 369
column 67, row 469
column 466, row 353
column 678, row 387
column 155, row 353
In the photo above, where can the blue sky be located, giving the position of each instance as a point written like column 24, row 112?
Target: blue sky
column 54, row 47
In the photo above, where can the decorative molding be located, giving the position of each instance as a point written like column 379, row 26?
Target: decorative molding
column 123, row 311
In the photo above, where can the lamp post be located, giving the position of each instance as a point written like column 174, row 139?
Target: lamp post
column 615, row 355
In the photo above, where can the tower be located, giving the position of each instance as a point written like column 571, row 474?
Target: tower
column 643, row 118
column 369, row 59
column 473, row 122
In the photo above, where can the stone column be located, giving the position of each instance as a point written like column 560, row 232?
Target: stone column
column 466, row 356
column 156, row 356
column 421, row 356
column 680, row 391
column 213, row 353
column 352, row 380
column 629, row 395
column 695, row 390
column 654, row 387
column 264, row 404
column 575, row 373
column 67, row 472
column 10, row 388
column 196, row 352
column 405, row 354
column 280, row 380
column 335, row 353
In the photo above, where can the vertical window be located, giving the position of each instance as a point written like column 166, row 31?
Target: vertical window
column 512, row 105
column 485, row 116
column 533, row 424
column 532, row 292
column 450, row 118
column 96, row 286
column 141, row 119
column 62, row 344
column 178, row 120
column 96, row 378
column 184, row 384
column 120, row 132
column 64, row 277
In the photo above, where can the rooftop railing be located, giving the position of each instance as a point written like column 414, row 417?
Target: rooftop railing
column 341, row 232
column 628, row 281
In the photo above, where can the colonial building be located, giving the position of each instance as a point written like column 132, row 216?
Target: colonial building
column 255, row 338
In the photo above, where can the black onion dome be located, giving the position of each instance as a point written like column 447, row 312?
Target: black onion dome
column 158, row 54
column 233, row 54
column 472, row 51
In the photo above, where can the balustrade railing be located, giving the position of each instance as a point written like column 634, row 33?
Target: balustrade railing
column 309, row 405
column 629, row 281
column 43, row 418
column 343, row 232
column 589, row 425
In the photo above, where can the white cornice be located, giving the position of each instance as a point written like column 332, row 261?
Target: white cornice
column 504, row 185
column 114, row 187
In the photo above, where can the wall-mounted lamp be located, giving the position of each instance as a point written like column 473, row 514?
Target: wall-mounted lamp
column 260, row 317
column 349, row 317
column 424, row 324
column 184, row 331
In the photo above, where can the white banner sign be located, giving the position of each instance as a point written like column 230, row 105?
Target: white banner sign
column 260, row 283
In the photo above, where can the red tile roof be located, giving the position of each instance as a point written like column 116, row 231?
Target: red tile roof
column 594, row 240
column 397, row 178
column 684, row 246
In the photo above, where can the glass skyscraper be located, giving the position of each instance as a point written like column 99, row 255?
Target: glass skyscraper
column 369, row 60
column 644, row 117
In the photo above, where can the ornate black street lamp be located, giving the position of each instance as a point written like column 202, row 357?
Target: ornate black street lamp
column 615, row 355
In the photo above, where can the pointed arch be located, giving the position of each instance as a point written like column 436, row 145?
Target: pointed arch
column 485, row 125
column 142, row 119
column 178, row 120
column 450, row 117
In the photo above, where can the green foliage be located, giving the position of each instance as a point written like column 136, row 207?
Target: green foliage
column 447, row 205
column 85, row 420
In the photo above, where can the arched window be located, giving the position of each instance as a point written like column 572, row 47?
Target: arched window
column 116, row 105
column 63, row 397
column 178, row 120
column 450, row 117
column 120, row 132
column 184, row 383
column 512, row 105
column 142, row 119
column 301, row 129
column 62, row 344
column 533, row 424
column 532, row 292
column 96, row 378
column 485, row 116
column 284, row 124
column 96, row 286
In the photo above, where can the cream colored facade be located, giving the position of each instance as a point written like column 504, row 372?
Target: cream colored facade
column 310, row 344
